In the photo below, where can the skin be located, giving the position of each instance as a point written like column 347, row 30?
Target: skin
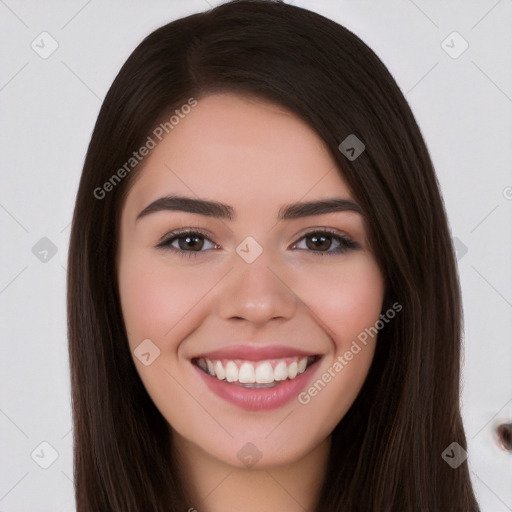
column 224, row 150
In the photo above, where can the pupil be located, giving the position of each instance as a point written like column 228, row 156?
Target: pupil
column 193, row 242
column 320, row 242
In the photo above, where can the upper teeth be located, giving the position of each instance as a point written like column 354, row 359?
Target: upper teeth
column 250, row 372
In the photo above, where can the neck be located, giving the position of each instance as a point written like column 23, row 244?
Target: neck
column 215, row 486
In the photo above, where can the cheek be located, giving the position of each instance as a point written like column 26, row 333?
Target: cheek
column 346, row 298
column 353, row 304
column 153, row 298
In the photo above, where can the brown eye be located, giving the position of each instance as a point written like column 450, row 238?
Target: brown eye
column 192, row 242
column 186, row 242
column 321, row 243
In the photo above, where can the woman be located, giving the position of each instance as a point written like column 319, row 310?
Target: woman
column 263, row 303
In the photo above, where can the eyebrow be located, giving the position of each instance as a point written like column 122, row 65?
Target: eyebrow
column 224, row 211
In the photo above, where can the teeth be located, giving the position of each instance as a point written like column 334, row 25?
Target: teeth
column 219, row 371
column 264, row 373
column 281, row 371
column 292, row 370
column 248, row 372
column 246, row 375
column 231, row 371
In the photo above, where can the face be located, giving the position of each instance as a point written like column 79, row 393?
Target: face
column 246, row 315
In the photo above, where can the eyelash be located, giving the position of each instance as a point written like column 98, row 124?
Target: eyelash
column 346, row 244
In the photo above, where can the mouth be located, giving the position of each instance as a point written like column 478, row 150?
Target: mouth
column 255, row 374
column 256, row 384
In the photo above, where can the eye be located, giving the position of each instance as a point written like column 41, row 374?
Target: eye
column 190, row 242
column 321, row 240
column 186, row 242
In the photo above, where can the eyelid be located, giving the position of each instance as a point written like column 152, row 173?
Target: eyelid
column 323, row 229
column 183, row 231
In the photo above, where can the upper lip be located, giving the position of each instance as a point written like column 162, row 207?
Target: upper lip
column 254, row 353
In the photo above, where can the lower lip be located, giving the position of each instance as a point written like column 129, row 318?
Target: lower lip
column 254, row 399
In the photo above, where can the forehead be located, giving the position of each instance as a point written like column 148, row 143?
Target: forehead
column 231, row 146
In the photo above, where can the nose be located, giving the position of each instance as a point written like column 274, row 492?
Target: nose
column 256, row 292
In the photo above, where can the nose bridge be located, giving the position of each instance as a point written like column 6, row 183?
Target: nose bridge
column 253, row 289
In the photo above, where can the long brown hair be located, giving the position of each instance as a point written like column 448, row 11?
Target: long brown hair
column 386, row 451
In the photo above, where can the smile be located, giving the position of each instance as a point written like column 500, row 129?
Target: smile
column 255, row 374
column 256, row 378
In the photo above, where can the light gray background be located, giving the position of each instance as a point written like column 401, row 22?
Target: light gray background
column 48, row 108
